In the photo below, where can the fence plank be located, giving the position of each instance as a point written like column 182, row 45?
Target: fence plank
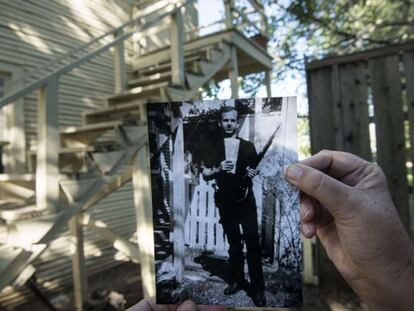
column 389, row 121
column 408, row 59
column 354, row 103
column 320, row 98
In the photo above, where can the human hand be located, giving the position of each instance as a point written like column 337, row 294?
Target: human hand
column 251, row 172
column 345, row 201
column 150, row 305
column 226, row 166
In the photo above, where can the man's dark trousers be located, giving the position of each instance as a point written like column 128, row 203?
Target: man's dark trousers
column 231, row 217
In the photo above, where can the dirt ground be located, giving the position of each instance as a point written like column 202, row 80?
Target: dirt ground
column 125, row 279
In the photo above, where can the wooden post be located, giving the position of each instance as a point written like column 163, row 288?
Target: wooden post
column 228, row 14
column 143, row 212
column 80, row 285
column 268, row 83
column 48, row 145
column 177, row 51
column 179, row 201
column 234, row 73
column 119, row 65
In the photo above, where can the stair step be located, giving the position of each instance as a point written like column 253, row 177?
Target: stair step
column 17, row 177
column 151, row 92
column 129, row 111
column 11, row 211
column 188, row 63
column 91, row 133
column 150, row 79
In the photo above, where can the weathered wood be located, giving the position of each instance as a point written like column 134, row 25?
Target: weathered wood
column 354, row 103
column 80, row 284
column 47, row 169
column 177, row 51
column 179, row 200
column 322, row 128
column 408, row 59
column 268, row 83
column 322, row 134
column 389, row 118
column 126, row 247
column 361, row 56
column 119, row 65
column 309, row 273
column 228, row 14
column 234, row 73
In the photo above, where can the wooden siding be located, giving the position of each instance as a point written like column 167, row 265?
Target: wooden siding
column 31, row 34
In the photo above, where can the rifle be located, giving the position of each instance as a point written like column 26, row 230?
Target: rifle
column 243, row 189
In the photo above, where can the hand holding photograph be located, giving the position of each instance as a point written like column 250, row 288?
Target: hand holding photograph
column 226, row 222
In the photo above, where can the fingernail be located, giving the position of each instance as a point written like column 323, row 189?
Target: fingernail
column 306, row 231
column 294, row 172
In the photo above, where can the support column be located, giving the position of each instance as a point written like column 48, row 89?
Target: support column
column 80, row 285
column 177, row 51
column 119, row 65
column 179, row 201
column 228, row 14
column 48, row 145
column 268, row 84
column 234, row 73
column 143, row 212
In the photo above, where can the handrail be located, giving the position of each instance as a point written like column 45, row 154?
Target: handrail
column 31, row 86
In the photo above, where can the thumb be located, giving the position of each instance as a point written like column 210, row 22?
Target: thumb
column 327, row 190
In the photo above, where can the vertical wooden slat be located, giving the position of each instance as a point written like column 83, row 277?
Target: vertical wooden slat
column 268, row 83
column 409, row 76
column 389, row 119
column 47, row 171
column 354, row 102
column 321, row 118
column 177, row 48
column 143, row 213
column 119, row 65
column 228, row 14
column 234, row 73
column 322, row 133
column 179, row 201
column 78, row 262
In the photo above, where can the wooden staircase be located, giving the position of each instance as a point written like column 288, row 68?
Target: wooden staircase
column 95, row 160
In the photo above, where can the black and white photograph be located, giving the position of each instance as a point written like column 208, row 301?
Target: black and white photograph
column 226, row 221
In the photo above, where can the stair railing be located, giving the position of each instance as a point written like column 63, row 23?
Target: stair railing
column 46, row 81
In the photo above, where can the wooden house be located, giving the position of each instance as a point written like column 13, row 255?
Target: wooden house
column 74, row 76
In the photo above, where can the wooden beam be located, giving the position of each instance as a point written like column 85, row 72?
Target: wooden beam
column 234, row 73
column 228, row 13
column 177, row 51
column 80, row 285
column 179, row 201
column 48, row 139
column 119, row 65
column 369, row 54
column 143, row 209
column 268, row 83
column 124, row 246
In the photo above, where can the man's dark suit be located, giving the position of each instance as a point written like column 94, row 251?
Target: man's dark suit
column 233, row 214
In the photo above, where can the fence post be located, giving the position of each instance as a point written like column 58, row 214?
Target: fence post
column 177, row 51
column 143, row 214
column 119, row 65
column 48, row 145
column 179, row 201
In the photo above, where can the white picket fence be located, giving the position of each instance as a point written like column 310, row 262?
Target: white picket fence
column 202, row 228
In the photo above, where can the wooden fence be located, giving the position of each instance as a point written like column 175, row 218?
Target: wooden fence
column 202, row 229
column 364, row 103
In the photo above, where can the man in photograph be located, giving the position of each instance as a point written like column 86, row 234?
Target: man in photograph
column 233, row 171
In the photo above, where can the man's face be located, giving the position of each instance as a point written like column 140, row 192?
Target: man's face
column 229, row 122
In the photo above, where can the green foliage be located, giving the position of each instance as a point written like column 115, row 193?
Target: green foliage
column 325, row 27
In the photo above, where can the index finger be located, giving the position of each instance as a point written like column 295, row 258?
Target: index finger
column 340, row 165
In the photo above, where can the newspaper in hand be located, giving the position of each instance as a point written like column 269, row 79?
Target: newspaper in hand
column 231, row 150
